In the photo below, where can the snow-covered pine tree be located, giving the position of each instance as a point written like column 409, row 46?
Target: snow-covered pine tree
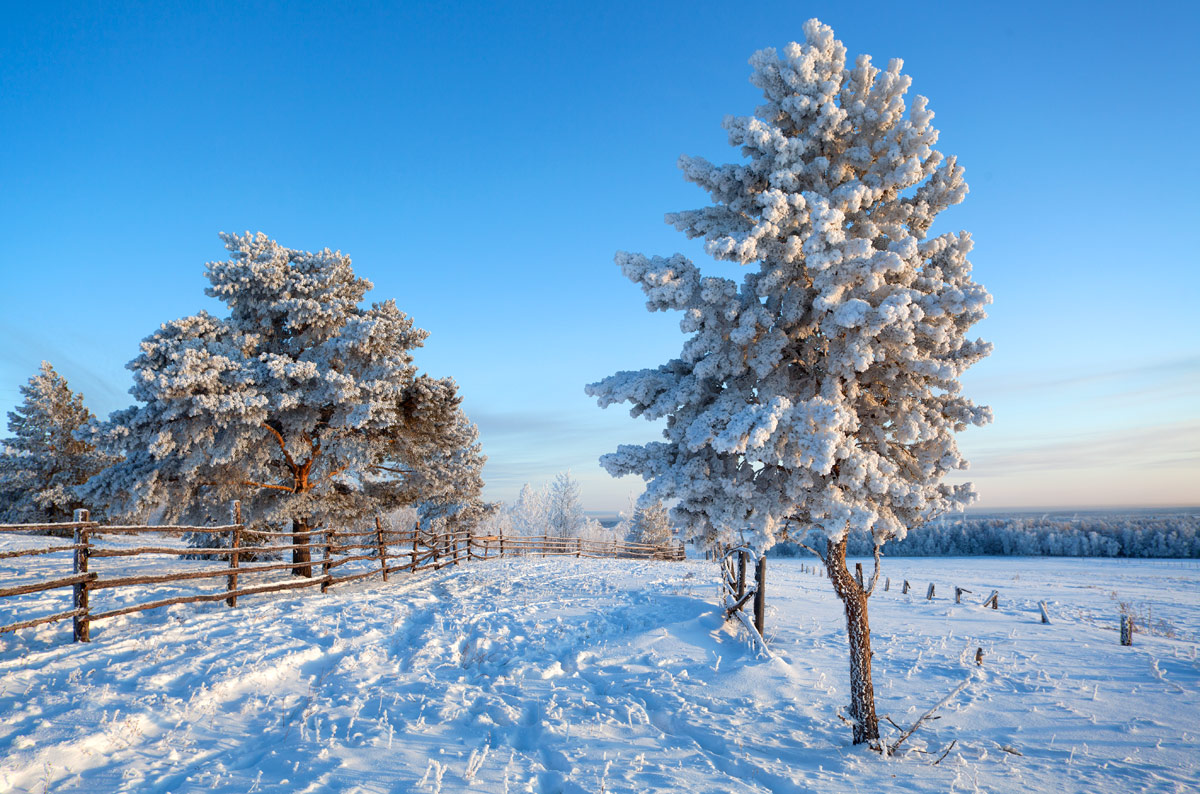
column 823, row 391
column 651, row 524
column 43, row 462
column 301, row 403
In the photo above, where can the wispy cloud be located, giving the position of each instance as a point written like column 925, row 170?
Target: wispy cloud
column 1173, row 445
column 1174, row 369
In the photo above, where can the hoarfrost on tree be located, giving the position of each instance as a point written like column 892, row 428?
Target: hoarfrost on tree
column 651, row 524
column 823, row 389
column 302, row 403
column 564, row 510
column 43, row 463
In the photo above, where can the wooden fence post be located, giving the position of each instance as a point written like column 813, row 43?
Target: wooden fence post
column 979, row 657
column 578, row 547
column 382, row 547
column 905, row 588
column 82, row 632
column 1045, row 614
column 1126, row 630
column 470, row 541
column 454, row 541
column 416, row 533
column 887, row 583
column 235, row 543
column 501, row 543
column 741, row 576
column 958, row 591
column 993, row 599
column 929, row 595
column 329, row 536
column 760, row 596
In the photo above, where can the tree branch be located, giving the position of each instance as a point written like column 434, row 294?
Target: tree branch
column 332, row 474
column 282, row 445
column 393, row 471
column 927, row 715
column 268, row 485
column 875, row 576
column 814, row 551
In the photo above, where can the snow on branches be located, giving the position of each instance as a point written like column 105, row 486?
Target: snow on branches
column 822, row 390
column 301, row 403
column 43, row 462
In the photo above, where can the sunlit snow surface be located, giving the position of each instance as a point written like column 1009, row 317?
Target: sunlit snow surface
column 596, row 675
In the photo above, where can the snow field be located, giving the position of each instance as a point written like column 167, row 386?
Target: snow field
column 613, row 675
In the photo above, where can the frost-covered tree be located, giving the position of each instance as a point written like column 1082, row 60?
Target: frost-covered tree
column 302, row 403
column 823, row 391
column 43, row 463
column 529, row 514
column 564, row 511
column 651, row 524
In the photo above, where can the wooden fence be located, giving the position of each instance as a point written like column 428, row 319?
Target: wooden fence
column 379, row 552
column 736, row 592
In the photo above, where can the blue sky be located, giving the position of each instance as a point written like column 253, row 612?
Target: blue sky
column 482, row 163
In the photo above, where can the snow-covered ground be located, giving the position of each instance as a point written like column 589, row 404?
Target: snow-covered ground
column 603, row 676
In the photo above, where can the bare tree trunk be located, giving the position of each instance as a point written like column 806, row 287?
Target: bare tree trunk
column 858, row 631
column 301, row 554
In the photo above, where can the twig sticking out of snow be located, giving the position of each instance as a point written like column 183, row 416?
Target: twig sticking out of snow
column 947, row 752
column 892, row 749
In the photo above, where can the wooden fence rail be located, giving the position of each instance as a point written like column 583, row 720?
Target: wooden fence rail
column 390, row 551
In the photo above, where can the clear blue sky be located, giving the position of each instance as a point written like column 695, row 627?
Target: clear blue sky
column 482, row 162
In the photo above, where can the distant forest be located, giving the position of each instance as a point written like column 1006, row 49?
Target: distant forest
column 1141, row 533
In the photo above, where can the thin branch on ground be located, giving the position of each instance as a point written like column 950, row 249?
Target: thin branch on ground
column 929, row 714
column 943, row 755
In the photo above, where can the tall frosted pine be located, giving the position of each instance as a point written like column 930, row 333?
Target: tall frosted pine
column 823, row 390
column 303, row 404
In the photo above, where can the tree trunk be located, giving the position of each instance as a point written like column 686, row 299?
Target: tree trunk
column 301, row 554
column 858, row 631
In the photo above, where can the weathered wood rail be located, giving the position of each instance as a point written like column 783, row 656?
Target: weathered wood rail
column 378, row 552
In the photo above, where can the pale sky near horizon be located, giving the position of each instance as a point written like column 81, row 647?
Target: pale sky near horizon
column 482, row 163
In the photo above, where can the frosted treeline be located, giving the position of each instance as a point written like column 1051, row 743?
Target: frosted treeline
column 1174, row 535
column 554, row 510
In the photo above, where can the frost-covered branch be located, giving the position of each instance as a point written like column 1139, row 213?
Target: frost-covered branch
column 874, row 576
